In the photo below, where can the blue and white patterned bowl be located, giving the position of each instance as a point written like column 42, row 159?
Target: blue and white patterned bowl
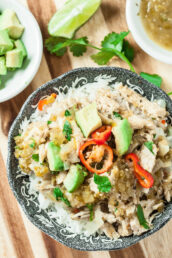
column 20, row 183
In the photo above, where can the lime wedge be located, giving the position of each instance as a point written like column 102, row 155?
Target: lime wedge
column 73, row 14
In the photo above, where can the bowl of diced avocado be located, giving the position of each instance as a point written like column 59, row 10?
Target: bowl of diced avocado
column 20, row 55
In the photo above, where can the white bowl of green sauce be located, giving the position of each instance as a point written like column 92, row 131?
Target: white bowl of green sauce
column 143, row 37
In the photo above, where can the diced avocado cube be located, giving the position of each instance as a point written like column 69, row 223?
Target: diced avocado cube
column 3, row 68
column 53, row 155
column 14, row 58
column 5, row 42
column 123, row 136
column 88, row 119
column 10, row 21
column 74, row 178
column 20, row 45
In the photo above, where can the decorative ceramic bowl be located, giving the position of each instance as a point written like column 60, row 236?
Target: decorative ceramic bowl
column 20, row 182
column 16, row 81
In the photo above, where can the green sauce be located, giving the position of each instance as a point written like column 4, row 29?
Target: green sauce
column 156, row 16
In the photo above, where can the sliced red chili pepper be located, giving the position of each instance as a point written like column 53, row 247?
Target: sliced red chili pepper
column 145, row 178
column 102, row 134
column 163, row 122
column 46, row 101
column 92, row 158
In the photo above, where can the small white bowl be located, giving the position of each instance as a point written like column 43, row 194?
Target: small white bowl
column 17, row 81
column 140, row 35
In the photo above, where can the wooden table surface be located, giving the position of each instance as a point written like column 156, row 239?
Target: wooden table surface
column 18, row 237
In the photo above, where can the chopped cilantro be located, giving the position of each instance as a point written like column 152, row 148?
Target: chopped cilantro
column 17, row 147
column 35, row 157
column 49, row 122
column 67, row 130
column 117, row 115
column 67, row 113
column 149, row 145
column 90, row 207
column 104, row 185
column 141, row 217
column 58, row 194
column 116, row 209
column 33, row 144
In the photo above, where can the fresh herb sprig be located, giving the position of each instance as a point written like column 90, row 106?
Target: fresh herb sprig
column 104, row 185
column 114, row 44
column 141, row 217
column 117, row 115
column 59, row 195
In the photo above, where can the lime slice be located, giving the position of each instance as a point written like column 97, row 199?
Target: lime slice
column 73, row 14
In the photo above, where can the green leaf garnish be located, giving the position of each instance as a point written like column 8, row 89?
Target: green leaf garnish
column 141, row 217
column 112, row 45
column 35, row 157
column 104, row 185
column 169, row 93
column 55, row 46
column 149, row 145
column 59, row 195
column 67, row 113
column 102, row 57
column 67, row 130
column 33, row 144
column 90, row 207
column 128, row 50
column 116, row 209
column 153, row 78
column 49, row 122
column 117, row 115
column 17, row 147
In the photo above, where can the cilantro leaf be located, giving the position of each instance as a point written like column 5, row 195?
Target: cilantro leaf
column 35, row 157
column 117, row 115
column 141, row 217
column 49, row 122
column 78, row 46
column 104, row 185
column 67, row 113
column 33, row 144
column 55, row 45
column 102, row 57
column 128, row 50
column 90, row 207
column 153, row 78
column 58, row 194
column 114, row 40
column 149, row 145
column 67, row 130
column 169, row 93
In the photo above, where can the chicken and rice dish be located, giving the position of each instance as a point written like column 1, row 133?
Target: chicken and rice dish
column 102, row 156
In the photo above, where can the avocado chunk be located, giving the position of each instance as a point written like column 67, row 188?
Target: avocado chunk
column 14, row 58
column 53, row 155
column 88, row 119
column 3, row 68
column 123, row 136
column 74, row 178
column 5, row 42
column 20, row 45
column 10, row 22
